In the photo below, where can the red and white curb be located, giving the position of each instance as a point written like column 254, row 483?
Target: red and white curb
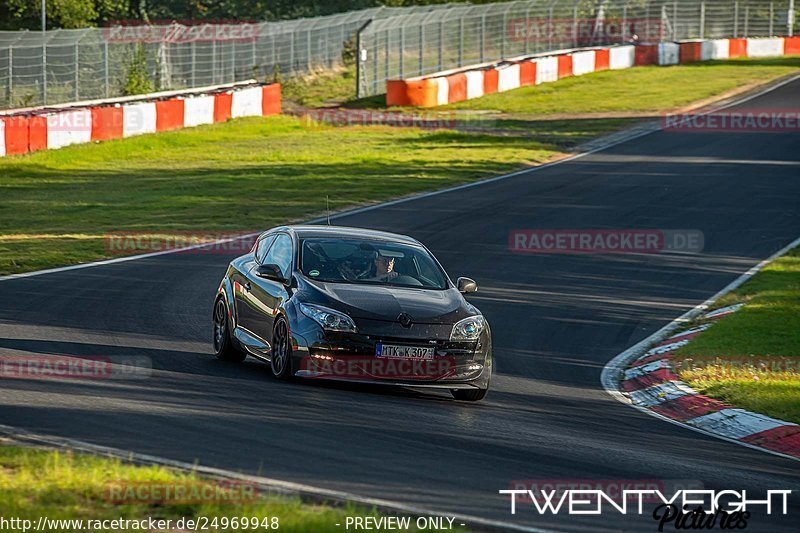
column 650, row 382
column 643, row 377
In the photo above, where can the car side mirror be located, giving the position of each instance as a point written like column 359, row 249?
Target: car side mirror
column 466, row 285
column 271, row 272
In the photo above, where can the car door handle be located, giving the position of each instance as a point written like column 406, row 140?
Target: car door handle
column 248, row 287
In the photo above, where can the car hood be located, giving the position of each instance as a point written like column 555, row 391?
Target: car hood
column 378, row 302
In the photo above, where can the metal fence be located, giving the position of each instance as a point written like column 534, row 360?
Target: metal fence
column 60, row 66
column 413, row 44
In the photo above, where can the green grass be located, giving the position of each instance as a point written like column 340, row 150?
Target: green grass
column 252, row 174
column 321, row 89
column 640, row 89
column 65, row 485
column 751, row 358
column 249, row 174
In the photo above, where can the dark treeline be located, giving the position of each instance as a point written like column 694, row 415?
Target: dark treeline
column 26, row 14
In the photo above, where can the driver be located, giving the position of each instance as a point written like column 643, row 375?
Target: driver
column 384, row 268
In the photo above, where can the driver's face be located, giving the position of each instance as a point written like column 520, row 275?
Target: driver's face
column 382, row 265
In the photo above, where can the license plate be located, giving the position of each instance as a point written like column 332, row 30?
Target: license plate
column 404, row 352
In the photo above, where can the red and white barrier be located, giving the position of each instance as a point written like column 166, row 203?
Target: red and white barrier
column 198, row 110
column 546, row 69
column 621, row 57
column 70, row 127
column 720, row 49
column 454, row 86
column 101, row 121
column 247, row 102
column 508, row 77
column 668, row 54
column 474, row 83
column 138, row 119
column 765, row 47
column 583, row 62
column 443, row 93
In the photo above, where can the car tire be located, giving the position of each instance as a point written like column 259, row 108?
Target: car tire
column 281, row 356
column 224, row 347
column 469, row 395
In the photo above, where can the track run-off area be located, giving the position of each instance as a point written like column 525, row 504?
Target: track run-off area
column 556, row 321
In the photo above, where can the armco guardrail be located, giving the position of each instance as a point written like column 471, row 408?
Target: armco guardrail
column 31, row 130
column 478, row 80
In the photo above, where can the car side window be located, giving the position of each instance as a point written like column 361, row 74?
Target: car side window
column 281, row 254
column 263, row 246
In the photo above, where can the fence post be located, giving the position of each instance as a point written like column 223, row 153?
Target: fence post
column 675, row 20
column 308, row 50
column 624, row 31
column 790, row 19
column 771, row 18
column 441, row 44
column 273, row 56
column 575, row 25
column 213, row 62
column 460, row 41
column 77, row 73
column 736, row 18
column 44, row 73
column 402, row 49
column 503, row 36
column 291, row 53
column 702, row 19
column 10, row 74
column 107, row 83
column 746, row 20
column 359, row 57
column 527, row 28
column 386, row 56
column 253, row 55
column 483, row 37
column 421, row 49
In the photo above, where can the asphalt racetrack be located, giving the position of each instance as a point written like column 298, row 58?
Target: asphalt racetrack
column 556, row 320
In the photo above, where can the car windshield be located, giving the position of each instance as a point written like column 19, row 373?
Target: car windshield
column 373, row 262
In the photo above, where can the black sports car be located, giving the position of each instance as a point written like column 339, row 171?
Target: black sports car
column 356, row 305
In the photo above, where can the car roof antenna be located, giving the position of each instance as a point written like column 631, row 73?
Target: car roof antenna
column 328, row 208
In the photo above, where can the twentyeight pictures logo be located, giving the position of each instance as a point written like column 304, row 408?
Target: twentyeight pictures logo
column 681, row 508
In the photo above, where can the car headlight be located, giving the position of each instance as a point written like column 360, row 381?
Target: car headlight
column 329, row 319
column 468, row 329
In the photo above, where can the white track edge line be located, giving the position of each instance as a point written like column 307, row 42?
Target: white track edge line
column 286, row 487
column 614, row 368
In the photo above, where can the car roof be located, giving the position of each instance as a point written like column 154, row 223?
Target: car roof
column 304, row 231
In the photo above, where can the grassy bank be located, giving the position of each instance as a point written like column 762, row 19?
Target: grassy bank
column 57, row 485
column 249, row 174
column 752, row 357
column 640, row 89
